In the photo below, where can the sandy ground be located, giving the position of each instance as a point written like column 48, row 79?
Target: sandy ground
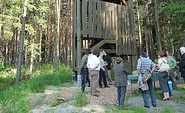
column 107, row 97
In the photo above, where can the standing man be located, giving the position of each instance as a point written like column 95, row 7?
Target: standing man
column 84, row 70
column 102, row 72
column 144, row 65
column 172, row 64
column 181, row 63
column 93, row 65
column 107, row 59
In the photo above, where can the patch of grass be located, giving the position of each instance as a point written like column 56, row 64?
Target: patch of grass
column 158, row 94
column 55, row 103
column 14, row 99
column 81, row 100
column 126, row 110
column 92, row 111
column 167, row 110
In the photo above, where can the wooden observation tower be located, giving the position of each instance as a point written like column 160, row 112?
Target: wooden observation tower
column 102, row 25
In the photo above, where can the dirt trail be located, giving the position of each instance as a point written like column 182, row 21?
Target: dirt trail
column 107, row 97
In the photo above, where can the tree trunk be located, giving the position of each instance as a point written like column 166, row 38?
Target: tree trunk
column 21, row 45
column 57, row 35
column 45, row 47
column 16, row 47
column 139, row 29
column 157, row 26
column 69, row 32
column 78, row 37
column 2, row 31
column 26, row 50
column 151, row 40
column 145, row 12
column 32, row 55
column 6, row 53
column 49, row 31
column 63, row 36
column 40, row 40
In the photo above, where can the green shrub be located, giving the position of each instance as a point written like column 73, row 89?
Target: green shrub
column 14, row 99
column 81, row 100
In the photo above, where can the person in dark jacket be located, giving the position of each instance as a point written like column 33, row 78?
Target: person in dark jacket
column 181, row 63
column 84, row 70
column 108, row 61
column 120, row 73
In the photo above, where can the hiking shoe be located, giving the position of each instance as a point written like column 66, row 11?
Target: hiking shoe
column 154, row 105
column 146, row 106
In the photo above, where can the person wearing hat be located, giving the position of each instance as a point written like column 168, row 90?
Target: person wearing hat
column 120, row 73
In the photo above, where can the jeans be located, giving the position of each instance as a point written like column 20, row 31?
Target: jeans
column 152, row 94
column 85, row 77
column 184, row 79
column 121, row 90
column 102, row 75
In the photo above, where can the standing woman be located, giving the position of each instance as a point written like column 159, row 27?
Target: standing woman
column 181, row 64
column 163, row 76
column 120, row 73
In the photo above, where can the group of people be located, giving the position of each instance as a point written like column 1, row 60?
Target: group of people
column 97, row 67
column 145, row 64
column 94, row 68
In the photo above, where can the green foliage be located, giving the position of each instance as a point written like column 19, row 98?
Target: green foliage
column 174, row 13
column 15, row 98
column 167, row 110
column 81, row 100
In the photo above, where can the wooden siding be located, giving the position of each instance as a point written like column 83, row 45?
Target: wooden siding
column 106, row 21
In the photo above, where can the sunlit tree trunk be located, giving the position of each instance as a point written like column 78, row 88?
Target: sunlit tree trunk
column 21, row 45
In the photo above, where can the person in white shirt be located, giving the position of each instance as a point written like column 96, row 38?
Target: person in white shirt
column 93, row 65
column 163, row 76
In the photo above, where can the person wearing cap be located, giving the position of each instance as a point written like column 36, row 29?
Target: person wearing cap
column 120, row 73
column 181, row 63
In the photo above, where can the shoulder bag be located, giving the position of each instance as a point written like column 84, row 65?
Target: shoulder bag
column 146, row 76
column 164, row 66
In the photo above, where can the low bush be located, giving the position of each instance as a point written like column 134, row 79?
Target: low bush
column 81, row 100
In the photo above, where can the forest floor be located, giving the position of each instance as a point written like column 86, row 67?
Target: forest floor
column 61, row 100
